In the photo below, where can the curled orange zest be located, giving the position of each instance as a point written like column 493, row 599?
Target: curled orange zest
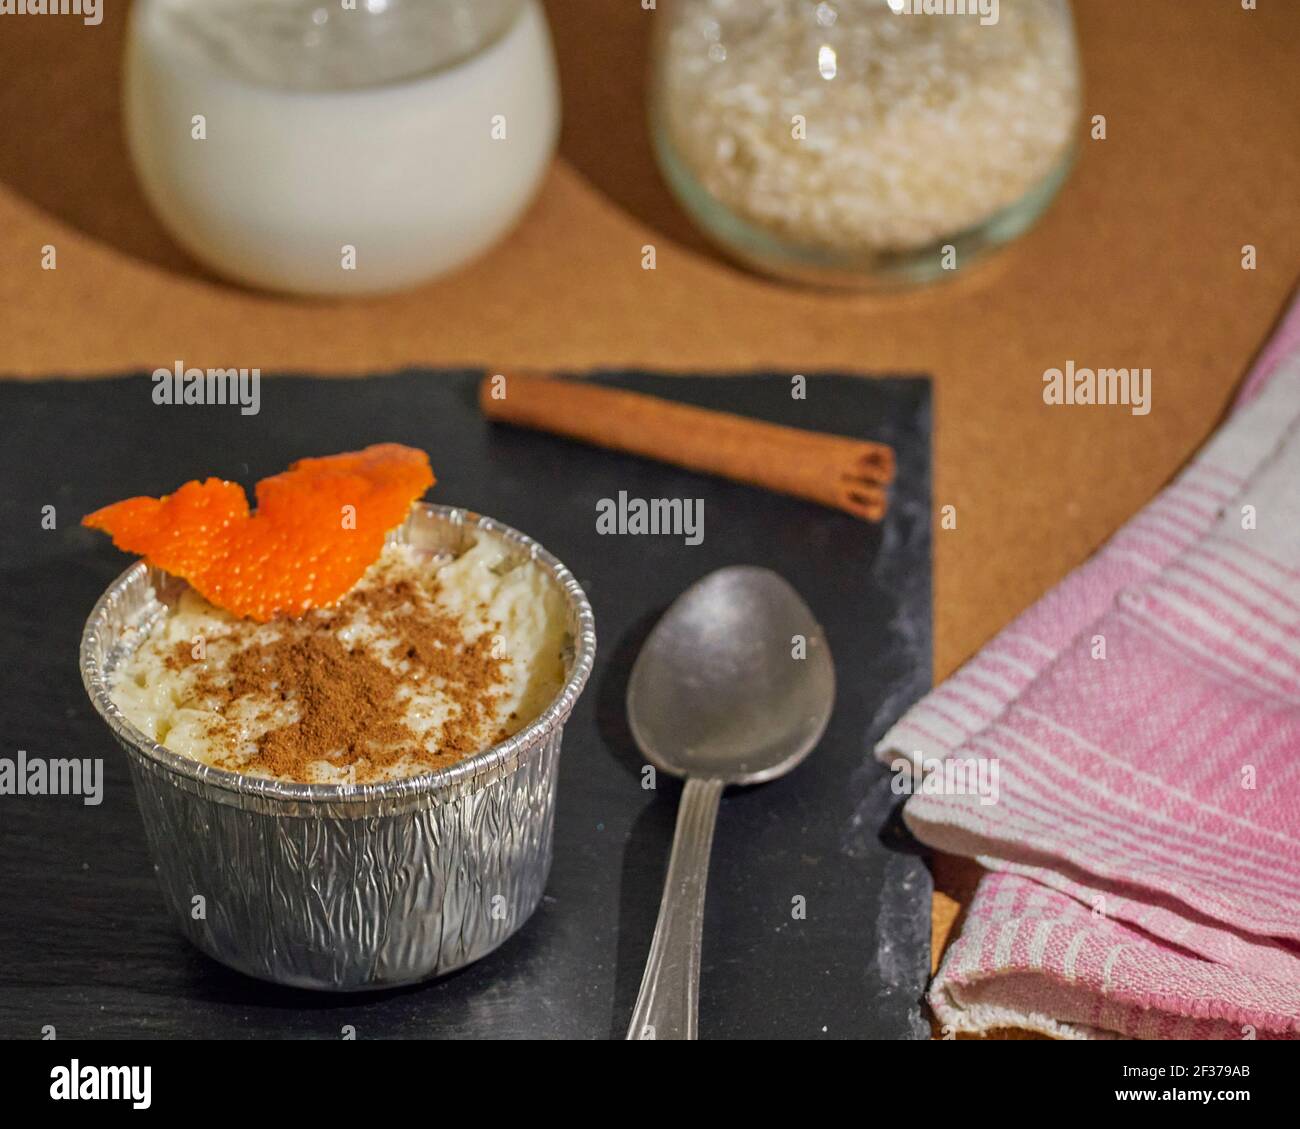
column 317, row 528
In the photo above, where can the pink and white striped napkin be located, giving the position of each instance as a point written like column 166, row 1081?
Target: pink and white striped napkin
column 1144, row 719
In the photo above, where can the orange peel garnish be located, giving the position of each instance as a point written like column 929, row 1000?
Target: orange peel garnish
column 317, row 528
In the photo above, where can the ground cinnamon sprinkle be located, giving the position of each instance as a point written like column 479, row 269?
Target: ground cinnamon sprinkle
column 433, row 657
column 351, row 708
column 347, row 699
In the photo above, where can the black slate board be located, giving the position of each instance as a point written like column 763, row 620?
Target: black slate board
column 84, row 943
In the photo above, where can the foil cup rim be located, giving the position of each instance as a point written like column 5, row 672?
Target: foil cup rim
column 473, row 772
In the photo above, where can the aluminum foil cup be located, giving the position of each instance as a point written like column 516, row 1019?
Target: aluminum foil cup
column 347, row 887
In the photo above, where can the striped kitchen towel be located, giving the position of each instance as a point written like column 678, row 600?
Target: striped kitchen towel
column 1125, row 758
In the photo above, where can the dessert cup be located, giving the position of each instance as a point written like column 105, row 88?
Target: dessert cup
column 347, row 887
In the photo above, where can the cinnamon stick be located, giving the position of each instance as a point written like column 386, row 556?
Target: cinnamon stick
column 832, row 470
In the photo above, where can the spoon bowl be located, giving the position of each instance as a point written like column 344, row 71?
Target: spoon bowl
column 735, row 683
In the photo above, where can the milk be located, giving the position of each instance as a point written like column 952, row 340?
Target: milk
column 303, row 147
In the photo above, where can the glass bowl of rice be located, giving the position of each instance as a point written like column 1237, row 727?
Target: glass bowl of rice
column 865, row 143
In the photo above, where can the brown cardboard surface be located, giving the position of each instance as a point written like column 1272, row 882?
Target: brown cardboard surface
column 1137, row 264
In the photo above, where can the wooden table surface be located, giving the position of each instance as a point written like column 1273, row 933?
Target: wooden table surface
column 1139, row 263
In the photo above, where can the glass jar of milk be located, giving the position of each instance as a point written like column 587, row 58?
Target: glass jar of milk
column 339, row 146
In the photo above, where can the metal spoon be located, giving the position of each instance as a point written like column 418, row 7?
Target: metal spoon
column 734, row 686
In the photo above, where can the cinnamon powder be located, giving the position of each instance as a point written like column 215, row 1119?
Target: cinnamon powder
column 351, row 712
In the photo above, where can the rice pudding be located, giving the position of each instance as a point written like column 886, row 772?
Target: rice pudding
column 427, row 660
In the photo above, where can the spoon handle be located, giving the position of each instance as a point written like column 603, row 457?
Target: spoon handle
column 669, row 1003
